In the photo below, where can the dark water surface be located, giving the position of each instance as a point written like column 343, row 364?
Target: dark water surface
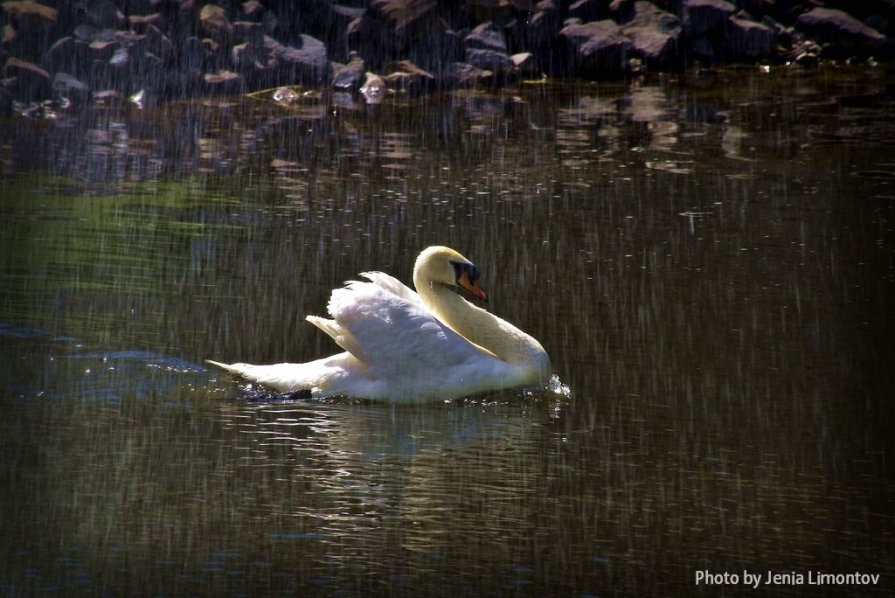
column 709, row 259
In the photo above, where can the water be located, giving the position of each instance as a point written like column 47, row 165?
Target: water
column 707, row 258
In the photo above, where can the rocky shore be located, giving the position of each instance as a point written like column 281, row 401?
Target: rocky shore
column 82, row 52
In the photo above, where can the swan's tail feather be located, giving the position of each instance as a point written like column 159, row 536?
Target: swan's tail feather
column 225, row 366
column 253, row 373
column 320, row 377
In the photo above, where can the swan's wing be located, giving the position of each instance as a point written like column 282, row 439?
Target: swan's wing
column 344, row 300
column 393, row 334
column 394, row 286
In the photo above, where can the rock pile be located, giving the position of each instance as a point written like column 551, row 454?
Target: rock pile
column 78, row 51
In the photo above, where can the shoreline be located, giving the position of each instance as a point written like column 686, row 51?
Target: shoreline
column 179, row 49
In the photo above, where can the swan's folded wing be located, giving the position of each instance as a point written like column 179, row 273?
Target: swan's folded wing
column 395, row 336
column 394, row 286
column 350, row 304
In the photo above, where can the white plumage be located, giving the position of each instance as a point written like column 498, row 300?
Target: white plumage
column 404, row 346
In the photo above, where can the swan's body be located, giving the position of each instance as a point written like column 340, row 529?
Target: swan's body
column 406, row 346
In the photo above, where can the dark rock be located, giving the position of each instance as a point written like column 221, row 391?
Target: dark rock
column 843, row 35
column 404, row 13
column 32, row 82
column 526, row 63
column 109, row 97
column 271, row 23
column 487, row 36
column 120, row 58
column 69, row 87
column 215, row 24
column 167, row 47
column 8, row 37
column 543, row 25
column 589, row 10
column 598, row 49
column 193, row 55
column 777, row 10
column 217, row 57
column 254, row 60
column 348, row 13
column 139, row 23
column 706, row 28
column 179, row 85
column 223, row 82
column 149, row 72
column 395, row 29
column 805, row 52
column 879, row 14
column 409, row 77
column 491, row 60
column 749, row 40
column 6, row 100
column 486, row 10
column 30, row 17
column 701, row 16
column 373, row 40
column 325, row 20
column 350, row 76
column 782, row 34
column 443, row 46
column 30, row 27
column 90, row 34
column 307, row 65
column 253, row 10
column 883, row 19
column 102, row 49
column 623, row 10
column 135, row 7
column 460, row 74
column 702, row 47
column 159, row 44
column 655, row 35
column 246, row 58
column 248, row 32
column 539, row 35
column 103, row 14
column 183, row 74
column 63, row 55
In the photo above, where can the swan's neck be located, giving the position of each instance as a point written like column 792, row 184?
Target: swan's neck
column 507, row 342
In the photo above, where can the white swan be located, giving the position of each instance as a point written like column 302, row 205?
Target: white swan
column 406, row 346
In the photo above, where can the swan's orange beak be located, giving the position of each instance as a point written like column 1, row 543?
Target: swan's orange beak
column 476, row 290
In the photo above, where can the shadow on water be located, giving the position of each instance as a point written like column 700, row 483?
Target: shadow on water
column 707, row 258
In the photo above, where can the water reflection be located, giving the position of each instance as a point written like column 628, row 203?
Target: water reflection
column 605, row 121
column 329, row 491
column 707, row 259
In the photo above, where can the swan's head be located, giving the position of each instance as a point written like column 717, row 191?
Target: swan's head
column 443, row 265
